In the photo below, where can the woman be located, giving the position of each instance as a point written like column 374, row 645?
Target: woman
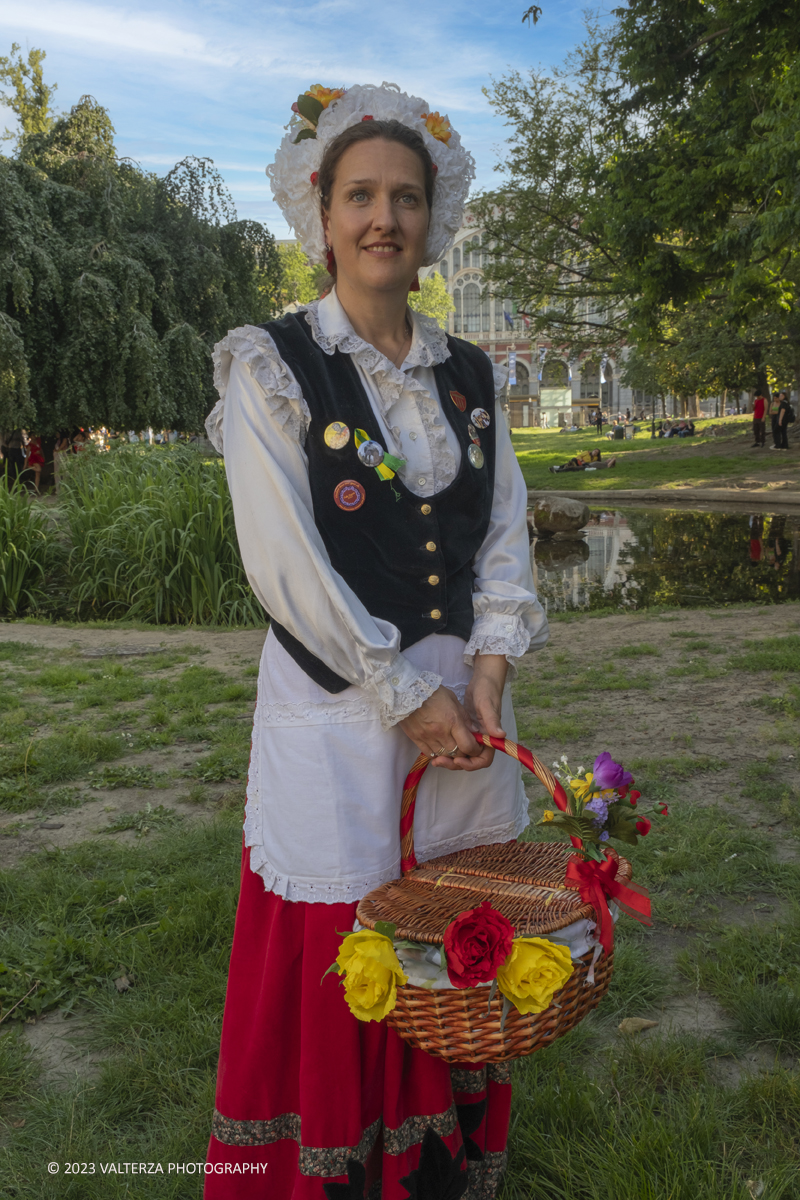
column 34, row 460
column 380, row 513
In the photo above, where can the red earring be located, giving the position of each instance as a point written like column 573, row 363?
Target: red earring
column 331, row 261
column 414, row 284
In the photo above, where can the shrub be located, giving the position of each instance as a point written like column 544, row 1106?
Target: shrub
column 23, row 549
column 153, row 539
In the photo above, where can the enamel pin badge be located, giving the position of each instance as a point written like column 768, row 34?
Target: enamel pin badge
column 475, row 455
column 459, row 401
column 481, row 418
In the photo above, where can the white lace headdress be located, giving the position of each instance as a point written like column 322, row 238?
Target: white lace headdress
column 320, row 114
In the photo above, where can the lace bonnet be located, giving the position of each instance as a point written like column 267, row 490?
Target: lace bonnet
column 320, row 114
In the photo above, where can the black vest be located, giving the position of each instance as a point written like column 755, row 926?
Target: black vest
column 408, row 558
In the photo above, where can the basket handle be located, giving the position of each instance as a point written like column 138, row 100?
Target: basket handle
column 408, row 859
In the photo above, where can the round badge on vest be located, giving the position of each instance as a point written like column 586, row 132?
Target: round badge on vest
column 349, row 495
column 337, row 435
column 473, row 433
column 475, row 456
column 459, row 400
column 371, row 454
column 481, row 418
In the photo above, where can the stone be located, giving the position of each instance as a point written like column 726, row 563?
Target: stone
column 559, row 514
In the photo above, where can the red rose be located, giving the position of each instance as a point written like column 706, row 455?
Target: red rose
column 634, row 796
column 367, row 118
column 314, row 177
column 643, row 826
column 664, row 809
column 476, row 944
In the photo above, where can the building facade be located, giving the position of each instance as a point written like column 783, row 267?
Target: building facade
column 548, row 390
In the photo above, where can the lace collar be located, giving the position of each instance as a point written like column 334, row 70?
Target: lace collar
column 332, row 330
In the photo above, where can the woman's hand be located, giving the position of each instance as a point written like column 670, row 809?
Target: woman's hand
column 441, row 723
column 484, row 697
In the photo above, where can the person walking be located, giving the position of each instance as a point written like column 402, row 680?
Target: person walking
column 381, row 517
column 759, row 422
column 598, row 420
column 780, row 423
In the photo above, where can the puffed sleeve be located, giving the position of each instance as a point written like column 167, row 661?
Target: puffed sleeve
column 261, row 421
column 509, row 619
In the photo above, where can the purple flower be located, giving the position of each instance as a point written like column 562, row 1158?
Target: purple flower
column 599, row 808
column 604, row 837
column 609, row 774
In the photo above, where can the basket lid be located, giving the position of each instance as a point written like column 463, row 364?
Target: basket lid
column 523, row 880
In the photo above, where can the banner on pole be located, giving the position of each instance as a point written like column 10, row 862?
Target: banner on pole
column 512, row 368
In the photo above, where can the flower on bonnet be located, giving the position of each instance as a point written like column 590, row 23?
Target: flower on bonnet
column 325, row 95
column 438, row 126
column 609, row 774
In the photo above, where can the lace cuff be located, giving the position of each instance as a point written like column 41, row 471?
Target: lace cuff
column 498, row 633
column 401, row 689
column 255, row 348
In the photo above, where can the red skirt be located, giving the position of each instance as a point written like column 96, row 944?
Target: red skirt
column 303, row 1086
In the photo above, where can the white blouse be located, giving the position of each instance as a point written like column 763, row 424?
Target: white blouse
column 326, row 770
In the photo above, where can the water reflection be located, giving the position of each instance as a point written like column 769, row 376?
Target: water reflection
column 636, row 558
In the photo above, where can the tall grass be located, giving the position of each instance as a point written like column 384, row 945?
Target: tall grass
column 153, row 539
column 23, row 550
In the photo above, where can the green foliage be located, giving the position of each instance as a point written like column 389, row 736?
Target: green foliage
column 30, row 96
column 153, row 538
column 432, row 299
column 300, row 283
column 114, row 284
column 23, row 551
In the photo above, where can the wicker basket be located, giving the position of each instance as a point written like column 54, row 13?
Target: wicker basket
column 525, row 882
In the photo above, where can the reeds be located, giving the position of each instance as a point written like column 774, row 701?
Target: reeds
column 153, row 539
column 23, row 550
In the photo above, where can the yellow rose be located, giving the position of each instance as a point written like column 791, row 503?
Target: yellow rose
column 371, row 972
column 533, row 972
column 438, row 126
column 325, row 95
column 547, row 815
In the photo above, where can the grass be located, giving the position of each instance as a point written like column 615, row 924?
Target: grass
column 24, row 550
column 661, row 1116
column 641, row 463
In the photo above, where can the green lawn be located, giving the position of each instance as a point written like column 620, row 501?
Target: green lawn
column 133, row 937
column 641, row 462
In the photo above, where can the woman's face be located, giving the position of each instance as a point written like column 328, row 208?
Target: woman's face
column 377, row 219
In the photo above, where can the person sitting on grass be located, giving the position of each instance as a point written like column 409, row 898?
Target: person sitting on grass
column 586, row 458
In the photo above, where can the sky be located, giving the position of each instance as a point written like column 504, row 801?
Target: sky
column 217, row 79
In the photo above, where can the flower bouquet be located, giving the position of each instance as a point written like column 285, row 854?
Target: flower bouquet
column 489, row 953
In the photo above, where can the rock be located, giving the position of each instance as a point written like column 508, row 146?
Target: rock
column 636, row 1025
column 558, row 514
column 560, row 554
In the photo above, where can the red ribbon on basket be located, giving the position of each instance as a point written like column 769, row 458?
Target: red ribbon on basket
column 596, row 882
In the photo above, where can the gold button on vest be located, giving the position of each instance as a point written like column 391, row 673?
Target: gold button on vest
column 430, row 546
column 433, row 580
column 425, row 510
column 436, row 614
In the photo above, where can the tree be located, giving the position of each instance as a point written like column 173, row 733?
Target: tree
column 30, row 97
column 301, row 281
column 543, row 224
column 432, row 299
column 115, row 285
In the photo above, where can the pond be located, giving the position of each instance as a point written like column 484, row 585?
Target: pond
column 634, row 558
